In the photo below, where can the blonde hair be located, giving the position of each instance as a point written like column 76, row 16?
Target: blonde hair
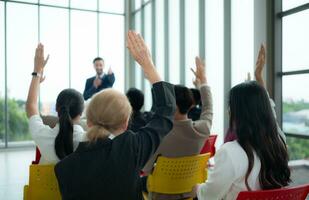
column 108, row 111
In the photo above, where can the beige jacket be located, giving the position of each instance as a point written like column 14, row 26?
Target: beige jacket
column 187, row 137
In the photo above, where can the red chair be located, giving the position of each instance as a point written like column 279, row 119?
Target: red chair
column 209, row 146
column 37, row 156
column 289, row 193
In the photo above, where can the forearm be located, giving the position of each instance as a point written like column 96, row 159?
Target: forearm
column 32, row 100
column 151, row 73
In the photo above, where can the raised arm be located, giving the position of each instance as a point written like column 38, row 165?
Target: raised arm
column 203, row 125
column 260, row 65
column 149, row 137
column 32, row 107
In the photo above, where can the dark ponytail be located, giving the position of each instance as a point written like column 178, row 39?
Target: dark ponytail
column 70, row 104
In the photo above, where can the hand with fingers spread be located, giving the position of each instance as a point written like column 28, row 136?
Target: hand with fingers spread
column 200, row 77
column 141, row 54
column 259, row 66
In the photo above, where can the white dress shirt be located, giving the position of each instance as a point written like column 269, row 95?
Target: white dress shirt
column 227, row 178
column 44, row 137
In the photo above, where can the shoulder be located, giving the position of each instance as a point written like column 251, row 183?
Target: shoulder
column 90, row 79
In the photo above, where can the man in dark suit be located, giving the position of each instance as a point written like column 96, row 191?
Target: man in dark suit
column 100, row 81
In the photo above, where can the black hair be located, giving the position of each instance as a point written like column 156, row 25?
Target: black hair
column 136, row 98
column 70, row 104
column 97, row 59
column 255, row 126
column 184, row 98
column 196, row 96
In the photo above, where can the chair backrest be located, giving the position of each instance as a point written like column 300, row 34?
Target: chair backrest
column 209, row 146
column 293, row 193
column 42, row 183
column 178, row 175
column 37, row 156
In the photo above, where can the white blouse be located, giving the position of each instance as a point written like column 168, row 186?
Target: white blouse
column 44, row 137
column 227, row 178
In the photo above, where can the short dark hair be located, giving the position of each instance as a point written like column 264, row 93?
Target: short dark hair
column 97, row 59
column 184, row 98
column 196, row 96
column 136, row 98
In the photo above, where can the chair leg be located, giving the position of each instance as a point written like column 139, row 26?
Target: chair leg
column 26, row 193
column 145, row 196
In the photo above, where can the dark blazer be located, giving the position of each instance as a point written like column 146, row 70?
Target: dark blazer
column 108, row 81
column 109, row 169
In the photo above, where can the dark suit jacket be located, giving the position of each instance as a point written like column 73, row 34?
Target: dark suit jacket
column 109, row 169
column 107, row 82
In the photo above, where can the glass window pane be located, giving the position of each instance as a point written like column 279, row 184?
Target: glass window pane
column 160, row 20
column 55, row 2
column 295, row 42
column 298, row 150
column 83, row 47
column 29, row 1
column 148, row 40
column 138, row 4
column 288, row 4
column 82, row 4
column 242, row 40
column 55, row 37
column 295, row 104
column 116, row 6
column 138, row 72
column 173, row 39
column 112, row 46
column 214, row 62
column 192, row 38
column 2, row 95
column 21, row 21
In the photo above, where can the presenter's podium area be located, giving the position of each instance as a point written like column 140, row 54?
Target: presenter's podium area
column 15, row 162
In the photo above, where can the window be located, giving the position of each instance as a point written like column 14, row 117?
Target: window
column 295, row 46
column 89, row 4
column 148, row 40
column 289, row 4
column 160, row 55
column 112, row 46
column 2, row 77
column 83, row 47
column 295, row 104
column 173, row 39
column 21, row 21
column 64, row 3
column 138, row 4
column 116, row 6
column 242, row 40
column 54, row 32
column 192, row 39
column 138, row 72
column 214, row 63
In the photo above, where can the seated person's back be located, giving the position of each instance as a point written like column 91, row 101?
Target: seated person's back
column 57, row 142
column 136, row 99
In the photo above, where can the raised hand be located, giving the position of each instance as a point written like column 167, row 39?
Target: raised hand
column 260, row 64
column 141, row 54
column 39, row 60
column 110, row 71
column 200, row 77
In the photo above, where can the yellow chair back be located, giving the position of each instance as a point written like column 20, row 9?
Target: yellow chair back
column 178, row 175
column 42, row 184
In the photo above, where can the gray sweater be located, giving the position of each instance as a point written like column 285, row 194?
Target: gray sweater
column 187, row 137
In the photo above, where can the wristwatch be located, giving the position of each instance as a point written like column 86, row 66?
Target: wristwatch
column 36, row 74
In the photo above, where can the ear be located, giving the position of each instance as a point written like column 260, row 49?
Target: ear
column 126, row 124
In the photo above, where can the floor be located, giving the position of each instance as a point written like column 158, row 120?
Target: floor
column 14, row 166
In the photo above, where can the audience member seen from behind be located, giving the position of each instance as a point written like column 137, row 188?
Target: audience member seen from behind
column 187, row 137
column 58, row 142
column 258, row 159
column 108, row 166
column 136, row 99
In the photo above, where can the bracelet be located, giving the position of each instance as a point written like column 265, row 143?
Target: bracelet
column 36, row 74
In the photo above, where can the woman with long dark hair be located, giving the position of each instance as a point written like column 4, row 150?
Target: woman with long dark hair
column 258, row 158
column 60, row 141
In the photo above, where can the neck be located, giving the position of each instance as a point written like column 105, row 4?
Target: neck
column 179, row 117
